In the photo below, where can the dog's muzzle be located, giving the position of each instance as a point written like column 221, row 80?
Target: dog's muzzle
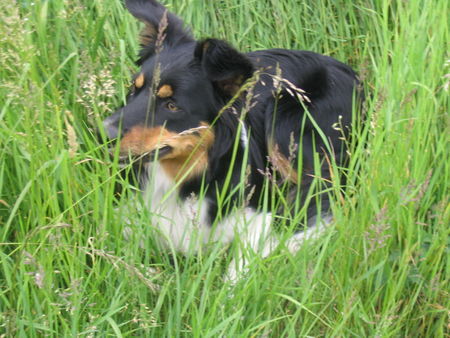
column 111, row 131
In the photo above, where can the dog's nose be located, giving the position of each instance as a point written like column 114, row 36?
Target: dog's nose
column 111, row 131
column 110, row 127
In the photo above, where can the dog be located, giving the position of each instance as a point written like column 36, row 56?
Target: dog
column 226, row 143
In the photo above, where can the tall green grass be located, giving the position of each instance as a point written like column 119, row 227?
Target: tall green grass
column 66, row 267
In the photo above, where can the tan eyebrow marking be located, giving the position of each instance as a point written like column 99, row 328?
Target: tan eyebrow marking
column 139, row 82
column 165, row 91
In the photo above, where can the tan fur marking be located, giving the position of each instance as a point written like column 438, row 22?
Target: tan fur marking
column 140, row 140
column 165, row 91
column 139, row 82
column 281, row 163
column 189, row 157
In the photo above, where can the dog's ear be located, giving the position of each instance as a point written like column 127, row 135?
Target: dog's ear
column 159, row 23
column 224, row 66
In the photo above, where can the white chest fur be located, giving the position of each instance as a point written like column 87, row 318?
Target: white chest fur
column 181, row 223
column 184, row 224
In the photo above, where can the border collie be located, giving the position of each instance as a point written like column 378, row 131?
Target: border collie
column 227, row 144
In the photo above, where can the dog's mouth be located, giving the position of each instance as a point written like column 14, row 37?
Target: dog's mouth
column 153, row 155
column 143, row 145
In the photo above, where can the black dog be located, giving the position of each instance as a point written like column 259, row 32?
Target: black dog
column 221, row 134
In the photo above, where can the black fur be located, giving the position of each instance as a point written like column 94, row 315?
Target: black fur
column 206, row 75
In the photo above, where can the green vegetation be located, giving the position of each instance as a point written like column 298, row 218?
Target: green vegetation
column 66, row 268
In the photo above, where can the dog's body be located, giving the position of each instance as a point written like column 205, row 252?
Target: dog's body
column 220, row 131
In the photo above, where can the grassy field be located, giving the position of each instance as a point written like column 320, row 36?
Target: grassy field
column 66, row 268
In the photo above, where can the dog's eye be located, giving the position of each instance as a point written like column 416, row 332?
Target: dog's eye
column 172, row 106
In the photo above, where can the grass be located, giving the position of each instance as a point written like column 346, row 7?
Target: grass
column 68, row 270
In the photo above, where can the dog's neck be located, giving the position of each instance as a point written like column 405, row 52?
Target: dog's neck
column 158, row 186
column 185, row 221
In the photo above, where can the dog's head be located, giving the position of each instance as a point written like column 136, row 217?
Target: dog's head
column 181, row 86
